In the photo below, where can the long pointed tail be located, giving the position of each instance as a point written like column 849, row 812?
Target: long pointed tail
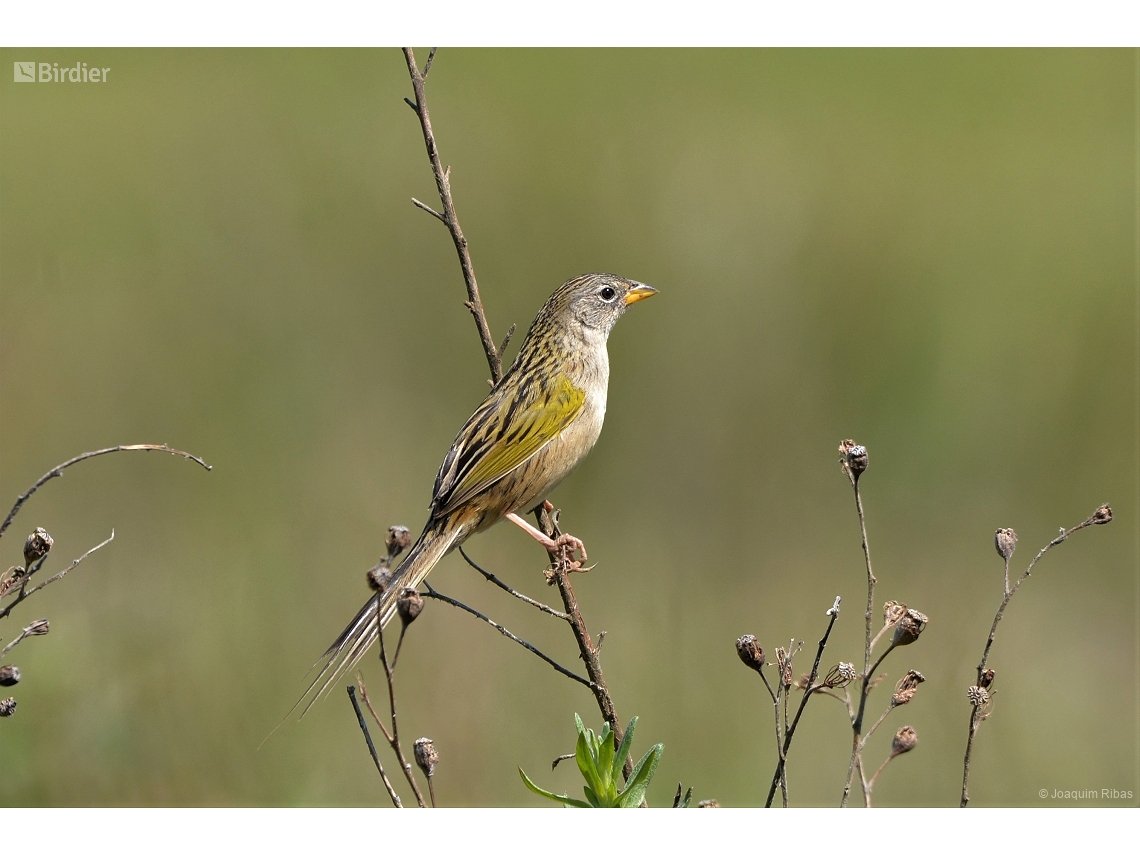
column 344, row 653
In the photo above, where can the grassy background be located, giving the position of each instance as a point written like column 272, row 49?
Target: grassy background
column 930, row 251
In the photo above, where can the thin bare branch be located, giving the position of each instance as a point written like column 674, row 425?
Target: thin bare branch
column 1103, row 514
column 561, row 566
column 372, row 748
column 812, row 688
column 394, row 737
column 450, row 218
column 429, row 209
column 491, row 577
column 58, row 471
column 23, row 595
column 436, row 595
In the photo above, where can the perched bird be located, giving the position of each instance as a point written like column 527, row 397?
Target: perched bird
column 539, row 422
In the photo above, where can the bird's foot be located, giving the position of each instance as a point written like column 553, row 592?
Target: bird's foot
column 564, row 546
column 570, row 544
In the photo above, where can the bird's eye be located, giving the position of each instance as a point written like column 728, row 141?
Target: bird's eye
column 607, row 293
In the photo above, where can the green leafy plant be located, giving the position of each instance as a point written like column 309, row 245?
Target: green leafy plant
column 601, row 766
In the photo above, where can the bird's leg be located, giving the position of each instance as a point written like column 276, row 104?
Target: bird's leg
column 553, row 546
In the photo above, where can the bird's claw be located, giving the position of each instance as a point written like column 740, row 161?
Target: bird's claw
column 566, row 545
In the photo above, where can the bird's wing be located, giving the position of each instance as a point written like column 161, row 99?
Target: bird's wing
column 505, row 432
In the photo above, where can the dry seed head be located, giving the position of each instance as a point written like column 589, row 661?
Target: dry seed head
column 37, row 627
column 906, row 687
column 708, row 803
column 379, row 579
column 409, row 604
column 978, row 696
column 399, row 538
column 750, row 652
column 892, row 611
column 1005, row 540
column 9, row 675
column 987, row 678
column 426, row 756
column 904, row 741
column 1102, row 515
column 840, row 675
column 37, row 545
column 11, row 578
column 854, row 458
column 784, row 666
column 909, row 628
column 7, row 707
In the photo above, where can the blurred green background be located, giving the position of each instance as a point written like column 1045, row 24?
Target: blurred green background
column 932, row 252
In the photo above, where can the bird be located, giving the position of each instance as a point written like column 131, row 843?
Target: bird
column 534, row 427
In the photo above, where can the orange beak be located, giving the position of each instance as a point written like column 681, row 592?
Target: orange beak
column 639, row 291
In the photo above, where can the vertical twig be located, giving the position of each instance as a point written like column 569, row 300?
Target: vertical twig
column 854, row 463
column 394, row 734
column 560, row 567
column 449, row 217
column 809, row 690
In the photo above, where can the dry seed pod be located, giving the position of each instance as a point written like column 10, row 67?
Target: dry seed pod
column 7, row 707
column 840, row 675
column 427, row 758
column 379, row 579
column 906, row 688
column 909, row 628
column 854, row 457
column 37, row 627
column 9, row 675
column 708, row 803
column 409, row 604
column 1005, row 540
column 399, row 538
column 37, row 545
column 892, row 611
column 978, row 696
column 987, row 678
column 904, row 741
column 1102, row 515
column 750, row 652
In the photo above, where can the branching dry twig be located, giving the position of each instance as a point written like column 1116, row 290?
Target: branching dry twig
column 561, row 566
column 779, row 777
column 979, row 693
column 372, row 748
column 432, row 593
column 24, row 594
column 561, row 562
column 58, row 471
column 448, row 217
column 491, row 577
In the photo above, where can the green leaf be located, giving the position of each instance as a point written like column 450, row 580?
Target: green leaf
column 634, row 791
column 586, row 762
column 578, row 722
column 623, row 749
column 684, row 803
column 546, row 794
column 592, row 799
column 606, row 761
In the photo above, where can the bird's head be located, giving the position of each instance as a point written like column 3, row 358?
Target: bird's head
column 595, row 300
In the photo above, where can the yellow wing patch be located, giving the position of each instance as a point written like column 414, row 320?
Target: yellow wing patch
column 528, row 431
